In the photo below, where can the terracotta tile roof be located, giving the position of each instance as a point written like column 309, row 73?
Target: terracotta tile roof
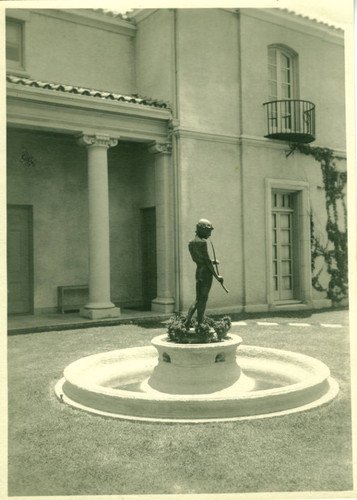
column 313, row 19
column 101, row 94
column 124, row 16
column 130, row 16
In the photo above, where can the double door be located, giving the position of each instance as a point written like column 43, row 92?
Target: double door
column 283, row 246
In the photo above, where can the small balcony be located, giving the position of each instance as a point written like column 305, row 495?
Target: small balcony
column 291, row 120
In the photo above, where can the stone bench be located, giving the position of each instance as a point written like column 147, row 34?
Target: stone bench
column 72, row 297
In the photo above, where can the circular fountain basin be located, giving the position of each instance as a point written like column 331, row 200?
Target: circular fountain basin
column 139, row 383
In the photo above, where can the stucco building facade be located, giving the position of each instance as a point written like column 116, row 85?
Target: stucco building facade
column 105, row 185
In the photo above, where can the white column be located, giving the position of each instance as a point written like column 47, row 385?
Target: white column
column 99, row 305
column 164, row 302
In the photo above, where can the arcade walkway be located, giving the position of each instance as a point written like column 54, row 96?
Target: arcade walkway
column 327, row 319
column 71, row 321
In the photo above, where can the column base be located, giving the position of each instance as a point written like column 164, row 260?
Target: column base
column 163, row 304
column 112, row 312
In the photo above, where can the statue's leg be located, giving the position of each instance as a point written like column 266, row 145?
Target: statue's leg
column 204, row 289
column 190, row 313
column 193, row 308
column 203, row 298
column 201, row 304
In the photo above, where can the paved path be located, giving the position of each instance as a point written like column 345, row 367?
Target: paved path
column 297, row 324
column 327, row 320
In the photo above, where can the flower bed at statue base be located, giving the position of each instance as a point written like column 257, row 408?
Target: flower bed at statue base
column 209, row 330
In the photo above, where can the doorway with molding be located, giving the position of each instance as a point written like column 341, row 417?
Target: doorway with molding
column 20, row 259
column 149, row 263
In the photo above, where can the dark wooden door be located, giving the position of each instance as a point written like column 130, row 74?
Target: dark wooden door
column 149, row 267
column 19, row 259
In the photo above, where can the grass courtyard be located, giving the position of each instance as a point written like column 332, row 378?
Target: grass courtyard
column 57, row 450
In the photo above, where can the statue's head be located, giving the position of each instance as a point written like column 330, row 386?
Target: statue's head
column 204, row 228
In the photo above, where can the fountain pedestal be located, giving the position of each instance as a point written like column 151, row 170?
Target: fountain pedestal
column 195, row 368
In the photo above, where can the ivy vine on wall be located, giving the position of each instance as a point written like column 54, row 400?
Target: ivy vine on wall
column 335, row 251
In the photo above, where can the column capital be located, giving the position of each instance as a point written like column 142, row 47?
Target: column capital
column 174, row 123
column 173, row 128
column 96, row 140
column 160, row 148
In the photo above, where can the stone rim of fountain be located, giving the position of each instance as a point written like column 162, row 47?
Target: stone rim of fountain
column 84, row 386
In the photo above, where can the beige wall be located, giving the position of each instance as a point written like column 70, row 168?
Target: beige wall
column 208, row 70
column 210, row 183
column 66, row 52
column 154, row 61
column 206, row 63
column 56, row 187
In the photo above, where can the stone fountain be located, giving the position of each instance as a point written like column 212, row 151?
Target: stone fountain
column 169, row 381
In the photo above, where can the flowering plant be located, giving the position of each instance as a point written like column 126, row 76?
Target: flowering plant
column 222, row 326
column 209, row 330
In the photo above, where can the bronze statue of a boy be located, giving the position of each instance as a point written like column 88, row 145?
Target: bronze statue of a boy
column 204, row 272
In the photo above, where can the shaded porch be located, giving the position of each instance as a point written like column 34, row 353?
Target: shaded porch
column 72, row 321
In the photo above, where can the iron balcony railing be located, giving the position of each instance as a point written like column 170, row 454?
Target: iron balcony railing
column 291, row 120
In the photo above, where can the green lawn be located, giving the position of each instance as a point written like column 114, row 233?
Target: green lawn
column 57, row 450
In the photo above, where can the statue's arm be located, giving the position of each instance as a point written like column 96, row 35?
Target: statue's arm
column 209, row 262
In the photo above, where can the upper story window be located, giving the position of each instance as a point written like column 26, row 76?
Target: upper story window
column 288, row 117
column 282, row 73
column 14, row 45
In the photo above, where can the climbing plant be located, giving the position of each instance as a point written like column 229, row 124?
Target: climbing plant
column 335, row 251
